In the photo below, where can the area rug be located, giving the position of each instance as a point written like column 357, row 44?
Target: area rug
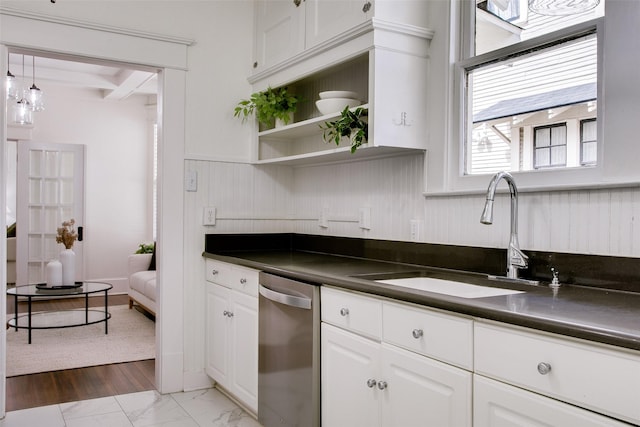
column 131, row 337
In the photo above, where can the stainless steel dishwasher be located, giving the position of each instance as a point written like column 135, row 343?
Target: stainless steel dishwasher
column 289, row 353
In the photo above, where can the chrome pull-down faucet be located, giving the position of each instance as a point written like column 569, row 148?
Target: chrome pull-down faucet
column 516, row 259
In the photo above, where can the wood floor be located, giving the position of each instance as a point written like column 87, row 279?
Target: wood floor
column 48, row 388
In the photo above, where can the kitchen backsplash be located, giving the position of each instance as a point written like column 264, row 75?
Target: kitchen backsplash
column 271, row 198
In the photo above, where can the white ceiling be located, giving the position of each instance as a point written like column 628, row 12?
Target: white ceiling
column 114, row 82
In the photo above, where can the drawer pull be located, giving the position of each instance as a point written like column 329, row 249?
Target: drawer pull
column 371, row 383
column 544, row 368
column 243, row 281
column 214, row 272
column 417, row 333
column 382, row 385
column 344, row 312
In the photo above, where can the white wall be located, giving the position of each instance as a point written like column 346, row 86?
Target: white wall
column 118, row 174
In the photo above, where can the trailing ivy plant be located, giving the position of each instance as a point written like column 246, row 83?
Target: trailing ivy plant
column 268, row 105
column 350, row 124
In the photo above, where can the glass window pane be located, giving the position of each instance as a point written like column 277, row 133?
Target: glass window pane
column 543, row 137
column 558, row 135
column 589, row 152
column 542, row 158
column 501, row 23
column 559, row 155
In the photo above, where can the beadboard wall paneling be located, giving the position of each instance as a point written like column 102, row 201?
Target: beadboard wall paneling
column 272, row 198
column 391, row 187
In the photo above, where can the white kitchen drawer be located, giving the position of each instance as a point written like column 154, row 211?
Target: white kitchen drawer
column 352, row 311
column 244, row 280
column 232, row 276
column 433, row 333
column 217, row 272
column 499, row 404
column 593, row 376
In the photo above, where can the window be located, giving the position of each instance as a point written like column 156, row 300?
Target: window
column 525, row 74
column 550, row 146
column 588, row 142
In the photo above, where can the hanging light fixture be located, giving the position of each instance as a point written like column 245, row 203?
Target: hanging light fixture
column 35, row 94
column 562, row 7
column 11, row 83
column 22, row 113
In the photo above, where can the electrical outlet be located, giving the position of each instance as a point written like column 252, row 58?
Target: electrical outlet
column 209, row 215
column 323, row 221
column 364, row 220
column 415, row 230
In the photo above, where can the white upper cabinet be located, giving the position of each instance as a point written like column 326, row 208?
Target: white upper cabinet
column 378, row 50
column 285, row 28
column 325, row 19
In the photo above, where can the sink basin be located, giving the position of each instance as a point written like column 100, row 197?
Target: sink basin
column 448, row 287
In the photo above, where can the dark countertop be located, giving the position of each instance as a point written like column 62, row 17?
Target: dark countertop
column 595, row 314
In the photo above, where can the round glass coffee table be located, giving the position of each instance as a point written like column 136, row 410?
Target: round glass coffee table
column 60, row 318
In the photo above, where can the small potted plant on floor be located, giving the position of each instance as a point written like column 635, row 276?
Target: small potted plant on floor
column 350, row 124
column 270, row 105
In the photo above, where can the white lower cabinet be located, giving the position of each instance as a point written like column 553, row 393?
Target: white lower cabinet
column 232, row 337
column 368, row 382
column 496, row 404
column 546, row 379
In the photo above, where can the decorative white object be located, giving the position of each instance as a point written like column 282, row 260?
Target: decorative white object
column 54, row 273
column 335, row 105
column 68, row 261
column 338, row 94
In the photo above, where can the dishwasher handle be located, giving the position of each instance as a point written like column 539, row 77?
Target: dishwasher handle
column 286, row 299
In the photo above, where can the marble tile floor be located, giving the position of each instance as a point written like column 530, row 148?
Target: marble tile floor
column 143, row 409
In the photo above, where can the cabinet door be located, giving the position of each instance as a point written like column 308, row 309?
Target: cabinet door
column 279, row 31
column 500, row 405
column 423, row 392
column 244, row 348
column 349, row 361
column 217, row 330
column 327, row 18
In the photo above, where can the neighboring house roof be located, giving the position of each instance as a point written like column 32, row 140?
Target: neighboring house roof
column 542, row 101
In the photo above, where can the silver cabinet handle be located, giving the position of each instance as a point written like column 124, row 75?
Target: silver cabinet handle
column 417, row 333
column 371, row 383
column 382, row 385
column 230, row 314
column 544, row 368
column 243, row 281
column 344, row 312
column 214, row 272
column 225, row 313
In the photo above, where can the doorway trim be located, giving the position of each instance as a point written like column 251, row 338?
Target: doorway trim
column 168, row 56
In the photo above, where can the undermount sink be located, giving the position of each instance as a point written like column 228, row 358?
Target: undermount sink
column 448, row 287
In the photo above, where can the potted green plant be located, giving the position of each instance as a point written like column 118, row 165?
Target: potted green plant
column 268, row 105
column 350, row 124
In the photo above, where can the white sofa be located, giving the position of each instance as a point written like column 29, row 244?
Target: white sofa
column 142, row 282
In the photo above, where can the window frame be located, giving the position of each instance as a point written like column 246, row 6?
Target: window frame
column 582, row 141
column 454, row 179
column 536, row 149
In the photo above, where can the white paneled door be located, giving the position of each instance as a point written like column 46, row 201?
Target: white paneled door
column 50, row 190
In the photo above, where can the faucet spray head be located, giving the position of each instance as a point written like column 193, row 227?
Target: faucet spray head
column 487, row 213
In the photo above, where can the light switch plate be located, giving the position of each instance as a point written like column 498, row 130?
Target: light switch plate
column 209, row 215
column 191, row 180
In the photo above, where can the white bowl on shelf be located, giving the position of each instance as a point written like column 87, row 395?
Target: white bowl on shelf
column 335, row 105
column 338, row 94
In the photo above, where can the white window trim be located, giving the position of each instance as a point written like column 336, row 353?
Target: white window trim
column 611, row 170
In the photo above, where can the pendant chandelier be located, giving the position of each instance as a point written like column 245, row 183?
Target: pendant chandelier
column 11, row 83
column 562, row 7
column 27, row 99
